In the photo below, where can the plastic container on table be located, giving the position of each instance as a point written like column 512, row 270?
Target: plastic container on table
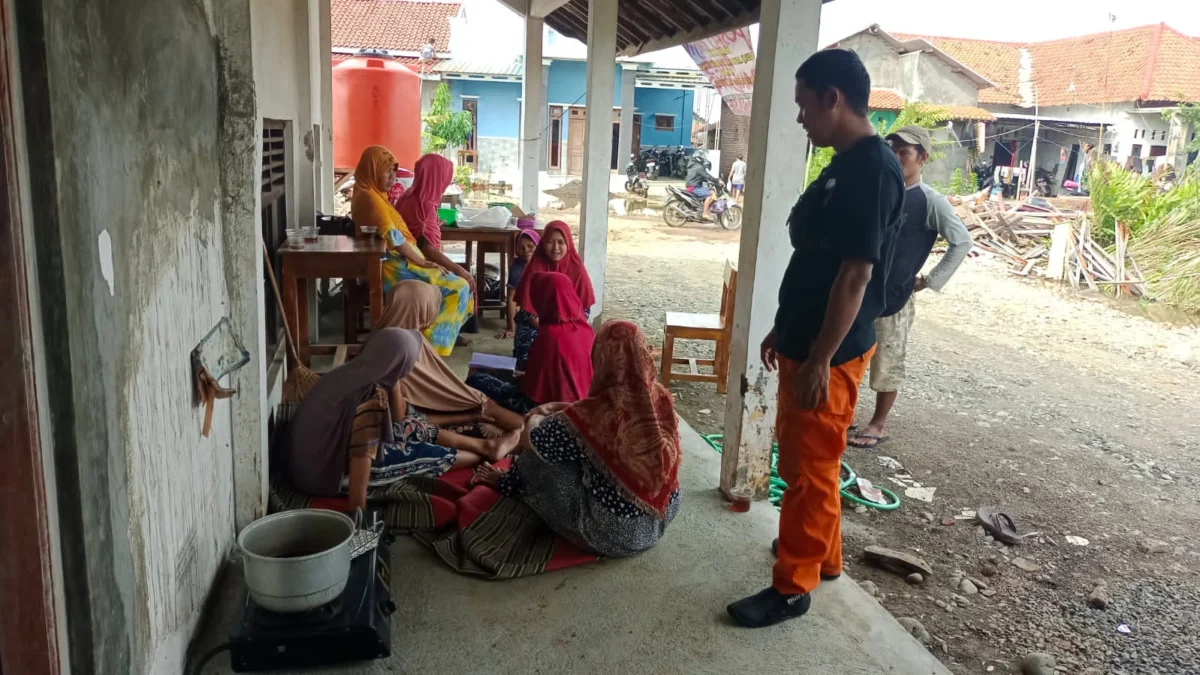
column 448, row 215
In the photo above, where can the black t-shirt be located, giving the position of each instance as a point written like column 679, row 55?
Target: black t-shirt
column 851, row 211
column 913, row 245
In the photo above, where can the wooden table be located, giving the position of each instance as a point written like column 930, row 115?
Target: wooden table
column 330, row 257
column 489, row 239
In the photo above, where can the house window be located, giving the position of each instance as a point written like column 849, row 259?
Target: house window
column 1158, row 151
column 664, row 123
column 1136, row 150
column 1108, row 148
column 273, row 185
column 471, row 105
column 555, row 136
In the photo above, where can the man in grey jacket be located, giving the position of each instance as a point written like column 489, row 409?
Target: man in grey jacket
column 927, row 215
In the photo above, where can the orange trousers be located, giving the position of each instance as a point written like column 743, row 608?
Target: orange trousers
column 811, row 443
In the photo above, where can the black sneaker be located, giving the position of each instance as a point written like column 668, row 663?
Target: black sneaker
column 824, row 577
column 767, row 608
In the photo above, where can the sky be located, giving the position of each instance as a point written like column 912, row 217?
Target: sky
column 1011, row 20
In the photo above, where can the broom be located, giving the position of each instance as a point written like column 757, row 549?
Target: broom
column 300, row 379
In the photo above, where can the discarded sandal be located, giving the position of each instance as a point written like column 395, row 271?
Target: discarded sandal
column 998, row 524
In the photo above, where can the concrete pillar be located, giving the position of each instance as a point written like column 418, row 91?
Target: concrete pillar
column 323, row 98
column 774, row 177
column 533, row 95
column 625, row 139
column 1178, row 135
column 544, row 157
column 241, row 216
column 597, row 141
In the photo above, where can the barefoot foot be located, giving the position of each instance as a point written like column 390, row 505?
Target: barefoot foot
column 498, row 448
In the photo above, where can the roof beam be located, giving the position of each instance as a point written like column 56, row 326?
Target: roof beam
column 695, row 33
column 542, row 8
column 641, row 17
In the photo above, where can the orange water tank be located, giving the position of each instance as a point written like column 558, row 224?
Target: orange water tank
column 375, row 102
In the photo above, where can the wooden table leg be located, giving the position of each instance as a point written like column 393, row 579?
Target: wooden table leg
column 303, row 336
column 375, row 282
column 289, row 303
column 480, row 279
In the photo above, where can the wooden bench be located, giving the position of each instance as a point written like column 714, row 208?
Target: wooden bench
column 715, row 327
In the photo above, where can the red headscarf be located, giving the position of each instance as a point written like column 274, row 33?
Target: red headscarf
column 560, row 360
column 418, row 205
column 570, row 265
column 627, row 422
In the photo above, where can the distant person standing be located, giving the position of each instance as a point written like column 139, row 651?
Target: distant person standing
column 843, row 230
column 428, row 52
column 927, row 215
column 737, row 178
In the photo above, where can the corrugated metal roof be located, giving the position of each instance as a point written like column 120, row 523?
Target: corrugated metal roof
column 516, row 68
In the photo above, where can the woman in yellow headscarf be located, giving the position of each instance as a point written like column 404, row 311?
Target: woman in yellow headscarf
column 369, row 207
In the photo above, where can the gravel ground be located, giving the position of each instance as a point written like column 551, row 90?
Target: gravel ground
column 1076, row 416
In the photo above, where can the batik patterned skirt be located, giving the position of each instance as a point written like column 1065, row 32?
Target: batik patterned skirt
column 457, row 303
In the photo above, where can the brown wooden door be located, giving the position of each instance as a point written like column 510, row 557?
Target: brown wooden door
column 575, row 133
column 637, row 133
column 28, row 627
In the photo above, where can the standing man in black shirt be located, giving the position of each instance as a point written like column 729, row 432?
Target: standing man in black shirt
column 842, row 230
column 927, row 215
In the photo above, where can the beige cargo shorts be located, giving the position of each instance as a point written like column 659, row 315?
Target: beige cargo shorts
column 891, row 335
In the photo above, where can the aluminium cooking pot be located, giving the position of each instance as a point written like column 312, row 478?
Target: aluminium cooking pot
column 296, row 560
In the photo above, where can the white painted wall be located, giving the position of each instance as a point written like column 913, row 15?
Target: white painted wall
column 1125, row 130
column 282, row 78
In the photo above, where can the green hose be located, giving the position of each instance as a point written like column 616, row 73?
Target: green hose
column 776, row 486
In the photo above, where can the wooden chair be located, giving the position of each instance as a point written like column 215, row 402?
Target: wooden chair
column 715, row 327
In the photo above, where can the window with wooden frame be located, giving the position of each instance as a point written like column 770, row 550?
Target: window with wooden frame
column 273, row 185
column 471, row 105
column 555, row 143
column 664, row 123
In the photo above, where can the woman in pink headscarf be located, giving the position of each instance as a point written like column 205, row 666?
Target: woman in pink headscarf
column 418, row 207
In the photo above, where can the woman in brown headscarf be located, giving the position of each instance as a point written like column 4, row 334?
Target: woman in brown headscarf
column 431, row 386
column 353, row 429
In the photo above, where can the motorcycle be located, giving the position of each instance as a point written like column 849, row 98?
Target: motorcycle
column 648, row 163
column 635, row 180
column 681, row 207
column 1043, row 181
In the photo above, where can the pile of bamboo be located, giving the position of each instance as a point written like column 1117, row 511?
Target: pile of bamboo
column 1050, row 239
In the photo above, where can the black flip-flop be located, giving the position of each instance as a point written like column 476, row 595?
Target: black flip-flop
column 879, row 440
column 998, row 524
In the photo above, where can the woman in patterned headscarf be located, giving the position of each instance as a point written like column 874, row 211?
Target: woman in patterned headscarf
column 603, row 472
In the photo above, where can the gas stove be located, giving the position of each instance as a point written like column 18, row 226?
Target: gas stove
column 354, row 627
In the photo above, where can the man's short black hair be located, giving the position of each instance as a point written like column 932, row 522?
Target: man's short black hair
column 839, row 69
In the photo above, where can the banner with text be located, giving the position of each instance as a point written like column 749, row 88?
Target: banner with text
column 728, row 62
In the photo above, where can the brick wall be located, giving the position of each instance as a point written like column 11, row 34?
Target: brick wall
column 735, row 138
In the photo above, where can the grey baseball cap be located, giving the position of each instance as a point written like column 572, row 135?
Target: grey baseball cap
column 914, row 135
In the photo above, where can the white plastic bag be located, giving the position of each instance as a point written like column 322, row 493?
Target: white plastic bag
column 497, row 216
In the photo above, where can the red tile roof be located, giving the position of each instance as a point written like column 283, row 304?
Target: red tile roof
column 400, row 25
column 887, row 99
column 1149, row 63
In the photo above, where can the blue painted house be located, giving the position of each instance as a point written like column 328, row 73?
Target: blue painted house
column 663, row 110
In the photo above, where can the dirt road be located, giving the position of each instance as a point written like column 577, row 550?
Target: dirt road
column 1076, row 417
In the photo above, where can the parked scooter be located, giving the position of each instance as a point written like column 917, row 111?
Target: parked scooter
column 635, row 180
column 648, row 163
column 681, row 207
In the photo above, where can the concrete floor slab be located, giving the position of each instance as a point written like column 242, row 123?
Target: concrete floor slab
column 661, row 612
